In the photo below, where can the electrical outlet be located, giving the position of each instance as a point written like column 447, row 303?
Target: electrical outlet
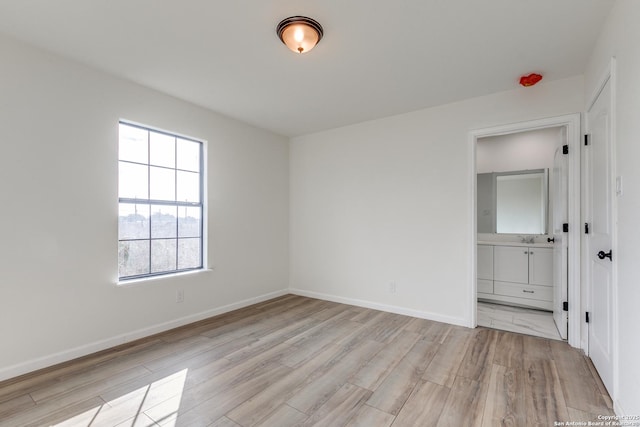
column 179, row 296
column 392, row 287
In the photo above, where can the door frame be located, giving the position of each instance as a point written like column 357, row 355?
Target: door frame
column 572, row 123
column 608, row 75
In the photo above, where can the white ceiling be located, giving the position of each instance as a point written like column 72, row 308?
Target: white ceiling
column 377, row 58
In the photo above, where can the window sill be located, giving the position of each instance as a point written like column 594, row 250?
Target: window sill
column 164, row 277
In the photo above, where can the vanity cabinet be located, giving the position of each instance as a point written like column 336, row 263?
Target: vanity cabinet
column 521, row 275
column 485, row 268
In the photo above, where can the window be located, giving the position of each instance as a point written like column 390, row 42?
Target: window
column 160, row 203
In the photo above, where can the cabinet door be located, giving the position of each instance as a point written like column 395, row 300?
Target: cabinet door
column 485, row 286
column 541, row 266
column 511, row 264
column 485, row 262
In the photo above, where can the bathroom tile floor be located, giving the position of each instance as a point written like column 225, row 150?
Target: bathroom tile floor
column 516, row 319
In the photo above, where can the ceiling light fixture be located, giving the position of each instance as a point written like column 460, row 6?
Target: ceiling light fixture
column 299, row 33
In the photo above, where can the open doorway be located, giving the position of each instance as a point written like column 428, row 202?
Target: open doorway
column 526, row 257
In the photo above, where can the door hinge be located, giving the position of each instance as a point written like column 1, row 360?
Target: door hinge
column 565, row 227
column 586, row 139
column 586, row 317
column 565, row 149
column 586, row 228
column 565, row 306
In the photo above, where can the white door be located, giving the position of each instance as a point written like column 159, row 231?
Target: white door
column 599, row 240
column 559, row 216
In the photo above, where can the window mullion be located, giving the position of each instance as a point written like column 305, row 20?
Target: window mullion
column 149, row 194
column 175, row 192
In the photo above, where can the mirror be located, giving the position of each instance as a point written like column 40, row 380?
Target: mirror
column 513, row 202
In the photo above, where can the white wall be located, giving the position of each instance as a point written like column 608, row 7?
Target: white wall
column 391, row 201
column 58, row 221
column 619, row 38
column 518, row 151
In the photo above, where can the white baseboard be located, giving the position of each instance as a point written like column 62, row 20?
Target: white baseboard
column 84, row 350
column 382, row 307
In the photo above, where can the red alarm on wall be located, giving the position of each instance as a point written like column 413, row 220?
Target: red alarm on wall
column 530, row 80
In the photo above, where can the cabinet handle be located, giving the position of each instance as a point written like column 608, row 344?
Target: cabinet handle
column 526, row 252
column 530, row 252
column 528, row 292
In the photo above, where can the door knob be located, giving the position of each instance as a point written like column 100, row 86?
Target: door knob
column 551, row 239
column 603, row 255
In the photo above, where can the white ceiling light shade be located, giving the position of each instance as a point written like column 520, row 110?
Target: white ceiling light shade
column 299, row 33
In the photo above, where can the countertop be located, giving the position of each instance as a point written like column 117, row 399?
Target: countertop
column 526, row 245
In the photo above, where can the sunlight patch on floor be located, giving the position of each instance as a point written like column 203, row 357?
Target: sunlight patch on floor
column 162, row 396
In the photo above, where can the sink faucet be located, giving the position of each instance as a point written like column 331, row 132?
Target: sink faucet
column 526, row 239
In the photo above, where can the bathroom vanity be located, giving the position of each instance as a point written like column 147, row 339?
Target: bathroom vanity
column 516, row 273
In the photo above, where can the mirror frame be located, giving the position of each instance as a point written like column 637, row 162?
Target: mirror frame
column 494, row 202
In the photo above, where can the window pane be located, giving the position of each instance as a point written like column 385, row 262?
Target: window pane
column 189, row 155
column 189, row 221
column 133, row 258
column 163, row 255
column 163, row 221
column 133, row 144
column 189, row 253
column 133, row 181
column 162, row 150
column 188, row 187
column 133, row 221
column 163, row 184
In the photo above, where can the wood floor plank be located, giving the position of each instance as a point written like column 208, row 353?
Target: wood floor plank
column 599, row 383
column 478, row 359
column 509, row 350
column 438, row 332
column 365, row 316
column 27, row 383
column 579, row 416
column 391, row 395
column 15, row 405
column 446, row 362
column 293, row 361
column 371, row 375
column 79, row 411
column 140, row 420
column 224, row 422
column 387, row 327
column 313, row 395
column 536, row 348
column 272, row 339
column 424, row 406
column 284, row 416
column 128, row 406
column 420, row 326
column 195, row 407
column 368, row 416
column 229, row 380
column 581, row 390
column 306, row 345
column 340, row 408
column 544, row 398
column 465, row 404
column 505, row 405
column 260, row 406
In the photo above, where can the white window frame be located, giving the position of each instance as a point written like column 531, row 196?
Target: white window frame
column 170, row 203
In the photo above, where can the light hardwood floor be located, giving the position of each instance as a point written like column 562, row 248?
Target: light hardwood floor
column 297, row 361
